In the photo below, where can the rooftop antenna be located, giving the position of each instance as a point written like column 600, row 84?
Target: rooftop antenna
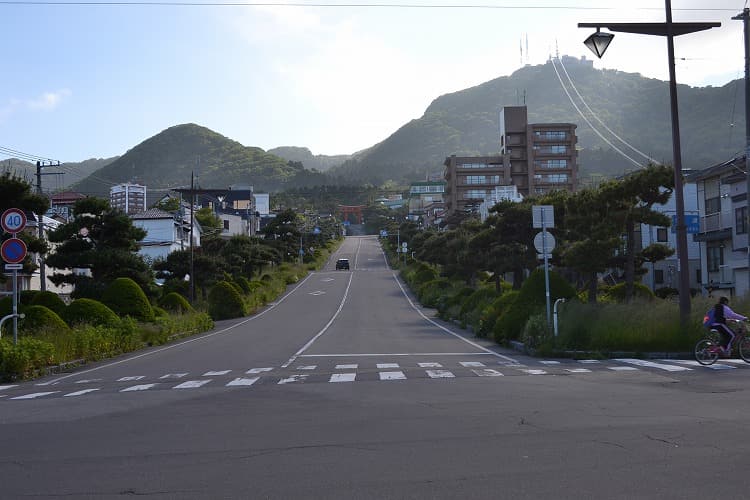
column 527, row 48
column 520, row 46
column 557, row 50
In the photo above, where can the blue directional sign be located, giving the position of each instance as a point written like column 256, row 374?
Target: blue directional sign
column 692, row 222
column 13, row 250
column 316, row 230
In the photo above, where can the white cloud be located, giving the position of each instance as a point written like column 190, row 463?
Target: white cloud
column 48, row 101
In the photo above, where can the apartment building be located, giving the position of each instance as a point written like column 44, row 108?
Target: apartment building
column 130, row 198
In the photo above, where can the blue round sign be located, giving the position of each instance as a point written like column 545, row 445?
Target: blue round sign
column 13, row 251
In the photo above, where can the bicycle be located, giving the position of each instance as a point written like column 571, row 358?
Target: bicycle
column 708, row 349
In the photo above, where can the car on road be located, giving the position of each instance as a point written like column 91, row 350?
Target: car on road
column 342, row 264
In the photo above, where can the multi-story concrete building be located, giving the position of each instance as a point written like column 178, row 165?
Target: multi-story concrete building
column 534, row 157
column 425, row 200
column 130, row 198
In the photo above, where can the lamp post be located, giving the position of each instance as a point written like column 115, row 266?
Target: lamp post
column 598, row 43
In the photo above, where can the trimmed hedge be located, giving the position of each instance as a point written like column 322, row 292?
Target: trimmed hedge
column 173, row 301
column 41, row 318
column 89, row 311
column 49, row 300
column 126, row 298
column 225, row 302
column 640, row 291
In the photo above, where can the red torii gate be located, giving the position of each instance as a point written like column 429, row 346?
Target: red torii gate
column 347, row 210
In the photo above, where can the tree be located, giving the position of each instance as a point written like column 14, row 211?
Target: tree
column 102, row 240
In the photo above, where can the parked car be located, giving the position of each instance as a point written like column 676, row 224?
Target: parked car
column 342, row 264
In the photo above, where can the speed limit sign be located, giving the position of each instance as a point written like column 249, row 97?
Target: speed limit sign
column 13, row 221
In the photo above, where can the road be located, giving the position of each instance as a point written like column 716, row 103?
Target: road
column 346, row 388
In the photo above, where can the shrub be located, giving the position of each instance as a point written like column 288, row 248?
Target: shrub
column 225, row 302
column 89, row 311
column 26, row 297
column 126, row 298
column 244, row 284
column 49, row 300
column 450, row 307
column 666, row 292
column 26, row 358
column 640, row 291
column 431, row 292
column 40, row 318
column 175, row 302
column 536, row 332
column 497, row 310
column 159, row 312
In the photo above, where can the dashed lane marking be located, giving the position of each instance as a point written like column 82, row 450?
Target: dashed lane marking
column 35, row 395
column 347, row 367
column 488, row 372
column 578, row 370
column 307, row 367
column 688, row 362
column 192, row 384
column 472, row 364
column 215, row 374
column 142, row 387
column 430, row 365
column 292, row 379
column 548, row 362
column 243, row 382
column 440, row 374
column 254, row 371
column 174, row 375
column 79, row 393
column 651, row 364
column 392, row 376
column 88, row 381
column 343, row 377
column 3, row 387
column 623, row 368
column 535, row 372
column 387, row 365
column 131, row 379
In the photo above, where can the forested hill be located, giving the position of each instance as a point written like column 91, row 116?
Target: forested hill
column 69, row 173
column 634, row 107
column 167, row 160
column 310, row 161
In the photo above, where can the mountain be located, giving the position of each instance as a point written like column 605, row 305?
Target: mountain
column 70, row 172
column 310, row 161
column 166, row 161
column 635, row 108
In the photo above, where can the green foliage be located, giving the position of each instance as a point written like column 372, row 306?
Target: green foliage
column 616, row 293
column 26, row 297
column 225, row 302
column 474, row 305
column 50, row 300
column 666, row 292
column 498, row 310
column 24, row 359
column 126, row 298
column 536, row 332
column 176, row 303
column 89, row 311
column 450, row 308
column 40, row 318
column 244, row 284
column 431, row 293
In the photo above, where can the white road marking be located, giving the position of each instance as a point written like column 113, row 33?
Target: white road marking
column 430, row 365
column 387, row 365
column 35, row 395
column 689, row 362
column 131, row 379
column 386, row 354
column 3, row 387
column 734, row 361
column 472, row 364
column 326, row 280
column 535, row 372
column 214, row 374
column 3, row 395
column 578, row 370
column 316, row 293
column 191, row 384
column 243, row 381
column 623, row 368
column 307, row 367
column 254, row 371
column 88, row 381
column 488, row 372
column 143, row 387
column 343, row 377
column 546, row 362
column 392, row 376
column 174, row 375
column 651, row 364
column 79, row 393
column 440, row 374
column 292, row 379
column 347, row 367
column 589, row 361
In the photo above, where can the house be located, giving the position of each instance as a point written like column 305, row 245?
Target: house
column 165, row 233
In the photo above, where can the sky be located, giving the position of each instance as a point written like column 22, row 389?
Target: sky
column 93, row 79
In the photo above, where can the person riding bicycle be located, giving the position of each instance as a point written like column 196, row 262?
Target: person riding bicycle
column 722, row 312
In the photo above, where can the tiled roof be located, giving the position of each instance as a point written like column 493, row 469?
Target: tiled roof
column 153, row 213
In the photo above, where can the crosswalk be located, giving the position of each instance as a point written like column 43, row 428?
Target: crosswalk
column 343, row 373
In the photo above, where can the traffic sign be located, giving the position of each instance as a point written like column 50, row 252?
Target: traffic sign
column 13, row 221
column 13, row 267
column 13, row 250
column 544, row 242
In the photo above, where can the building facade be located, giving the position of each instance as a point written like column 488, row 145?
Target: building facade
column 130, row 198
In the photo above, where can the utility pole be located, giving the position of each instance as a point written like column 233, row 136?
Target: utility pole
column 192, row 229
column 40, row 220
column 744, row 16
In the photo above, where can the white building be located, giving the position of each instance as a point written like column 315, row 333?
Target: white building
column 165, row 233
column 130, row 198
column 498, row 194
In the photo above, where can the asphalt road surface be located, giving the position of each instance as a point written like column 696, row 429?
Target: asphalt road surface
column 346, row 388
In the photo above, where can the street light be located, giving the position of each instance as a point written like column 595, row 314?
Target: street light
column 669, row 30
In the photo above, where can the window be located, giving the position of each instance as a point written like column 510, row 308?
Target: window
column 551, row 178
column 713, row 205
column 714, row 256
column 475, row 194
column 661, row 235
column 226, row 225
column 551, row 149
column 476, row 179
column 558, row 135
column 659, row 276
column 740, row 218
column 551, row 164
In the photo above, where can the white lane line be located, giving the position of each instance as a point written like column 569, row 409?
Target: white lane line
column 717, row 366
column 343, row 377
column 387, row 365
column 253, row 371
column 392, row 376
column 488, row 372
column 430, row 365
column 131, row 379
column 214, row 374
column 440, row 374
column 547, row 362
column 3, row 387
column 623, row 368
column 326, row 327
column 589, row 361
column 191, row 384
column 472, row 364
column 3, row 395
column 35, row 395
column 734, row 361
column 474, row 344
column 292, row 379
column 535, row 372
column 142, row 387
column 174, row 375
column 88, row 381
column 347, row 367
column 243, row 382
column 651, row 364
column 386, row 354
column 307, row 367
column 79, row 393
column 578, row 370
column 270, row 308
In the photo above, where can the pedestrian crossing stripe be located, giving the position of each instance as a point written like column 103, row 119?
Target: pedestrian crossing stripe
column 440, row 374
column 392, row 376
